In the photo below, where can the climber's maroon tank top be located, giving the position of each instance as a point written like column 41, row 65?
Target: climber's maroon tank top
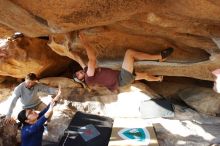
column 103, row 77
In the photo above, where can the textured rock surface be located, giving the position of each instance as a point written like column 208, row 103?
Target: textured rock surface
column 188, row 127
column 144, row 25
column 185, row 133
column 25, row 55
column 62, row 81
column 8, row 134
column 100, row 102
column 111, row 27
column 59, row 122
column 201, row 98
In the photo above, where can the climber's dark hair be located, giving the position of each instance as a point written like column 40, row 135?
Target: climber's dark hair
column 31, row 76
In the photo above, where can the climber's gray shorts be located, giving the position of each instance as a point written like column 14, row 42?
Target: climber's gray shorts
column 125, row 77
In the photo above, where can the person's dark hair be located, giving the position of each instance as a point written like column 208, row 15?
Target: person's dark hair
column 79, row 81
column 74, row 75
column 76, row 79
column 31, row 76
column 22, row 116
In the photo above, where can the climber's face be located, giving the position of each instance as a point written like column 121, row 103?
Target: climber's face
column 30, row 83
column 32, row 116
column 80, row 75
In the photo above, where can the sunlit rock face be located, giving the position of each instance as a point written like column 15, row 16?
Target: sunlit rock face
column 24, row 55
column 126, row 104
column 114, row 26
column 191, row 27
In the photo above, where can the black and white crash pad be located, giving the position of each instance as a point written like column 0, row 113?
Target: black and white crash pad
column 87, row 130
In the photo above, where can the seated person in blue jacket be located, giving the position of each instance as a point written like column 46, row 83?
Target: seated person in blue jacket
column 27, row 91
column 33, row 124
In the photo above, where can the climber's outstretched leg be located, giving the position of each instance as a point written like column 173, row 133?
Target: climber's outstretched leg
column 148, row 77
column 131, row 56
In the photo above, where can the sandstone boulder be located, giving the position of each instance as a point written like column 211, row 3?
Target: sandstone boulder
column 204, row 100
column 62, row 81
column 114, row 26
column 25, row 55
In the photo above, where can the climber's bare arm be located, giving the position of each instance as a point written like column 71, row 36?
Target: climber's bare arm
column 91, row 55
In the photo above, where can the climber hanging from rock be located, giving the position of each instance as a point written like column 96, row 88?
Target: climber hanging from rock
column 112, row 79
